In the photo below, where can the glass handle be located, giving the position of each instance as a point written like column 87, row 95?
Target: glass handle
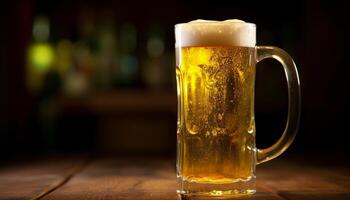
column 294, row 100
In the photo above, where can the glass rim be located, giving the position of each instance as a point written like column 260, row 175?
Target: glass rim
column 211, row 23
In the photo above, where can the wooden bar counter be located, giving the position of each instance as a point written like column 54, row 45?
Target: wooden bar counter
column 82, row 177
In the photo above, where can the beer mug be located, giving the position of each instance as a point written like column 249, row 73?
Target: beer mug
column 215, row 72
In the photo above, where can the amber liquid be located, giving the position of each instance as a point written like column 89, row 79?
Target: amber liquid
column 216, row 130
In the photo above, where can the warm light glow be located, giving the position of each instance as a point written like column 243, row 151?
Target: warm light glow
column 41, row 57
column 40, row 60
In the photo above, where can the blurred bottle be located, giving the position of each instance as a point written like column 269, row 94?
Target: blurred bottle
column 127, row 71
column 63, row 57
column 107, row 54
column 78, row 80
column 157, row 68
column 43, row 81
column 74, row 83
column 40, row 55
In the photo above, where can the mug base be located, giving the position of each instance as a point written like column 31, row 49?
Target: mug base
column 191, row 190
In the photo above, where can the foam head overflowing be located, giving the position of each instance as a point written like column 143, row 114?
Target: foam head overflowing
column 215, row 33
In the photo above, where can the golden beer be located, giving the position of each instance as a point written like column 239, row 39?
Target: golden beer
column 216, row 127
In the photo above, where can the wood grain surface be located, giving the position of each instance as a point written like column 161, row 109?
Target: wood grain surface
column 32, row 179
column 154, row 178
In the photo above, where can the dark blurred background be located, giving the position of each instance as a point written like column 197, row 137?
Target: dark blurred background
column 99, row 76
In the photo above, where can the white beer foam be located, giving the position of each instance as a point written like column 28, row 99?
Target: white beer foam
column 211, row 33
